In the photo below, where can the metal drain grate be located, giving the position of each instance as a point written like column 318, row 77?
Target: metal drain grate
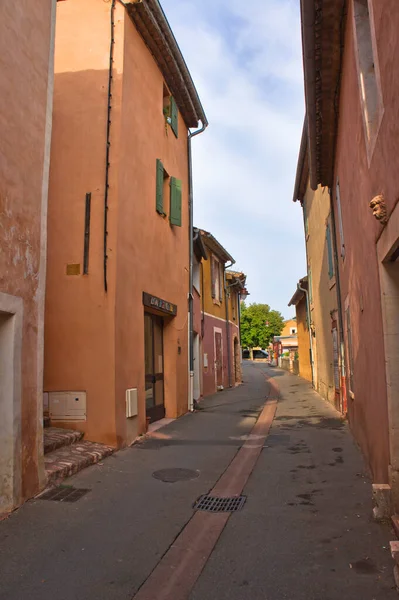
column 216, row 504
column 64, row 494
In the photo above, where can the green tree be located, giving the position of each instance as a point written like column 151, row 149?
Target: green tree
column 259, row 324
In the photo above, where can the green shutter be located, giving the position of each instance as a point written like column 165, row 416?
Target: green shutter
column 329, row 252
column 174, row 116
column 175, row 201
column 159, row 187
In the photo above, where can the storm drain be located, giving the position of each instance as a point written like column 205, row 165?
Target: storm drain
column 64, row 494
column 216, row 504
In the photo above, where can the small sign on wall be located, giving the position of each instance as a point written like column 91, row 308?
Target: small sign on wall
column 205, row 361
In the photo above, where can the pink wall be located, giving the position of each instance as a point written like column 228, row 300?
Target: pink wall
column 209, row 380
column 359, row 183
column 25, row 125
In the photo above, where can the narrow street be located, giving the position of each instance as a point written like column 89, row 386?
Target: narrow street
column 304, row 532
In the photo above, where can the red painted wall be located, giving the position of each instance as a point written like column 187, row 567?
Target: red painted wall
column 359, row 183
column 209, row 380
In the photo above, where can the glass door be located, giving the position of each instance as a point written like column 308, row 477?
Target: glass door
column 154, row 372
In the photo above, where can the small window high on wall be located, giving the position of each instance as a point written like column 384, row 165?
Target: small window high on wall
column 370, row 94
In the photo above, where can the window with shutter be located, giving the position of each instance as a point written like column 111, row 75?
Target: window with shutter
column 175, row 201
column 159, row 187
column 340, row 224
column 174, row 116
column 220, row 282
column 329, row 252
column 214, row 265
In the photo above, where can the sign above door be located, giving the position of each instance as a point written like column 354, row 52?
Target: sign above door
column 159, row 304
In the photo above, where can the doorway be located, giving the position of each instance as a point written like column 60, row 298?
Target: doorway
column 197, row 367
column 154, row 367
column 218, row 359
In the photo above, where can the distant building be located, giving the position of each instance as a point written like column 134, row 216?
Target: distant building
column 322, row 289
column 217, row 350
column 300, row 301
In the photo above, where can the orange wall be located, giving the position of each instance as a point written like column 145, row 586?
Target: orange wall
column 26, row 50
column 153, row 256
column 94, row 340
column 287, row 327
column 79, row 347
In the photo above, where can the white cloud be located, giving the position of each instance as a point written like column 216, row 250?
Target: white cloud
column 245, row 59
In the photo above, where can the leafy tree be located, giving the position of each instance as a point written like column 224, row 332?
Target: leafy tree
column 259, row 324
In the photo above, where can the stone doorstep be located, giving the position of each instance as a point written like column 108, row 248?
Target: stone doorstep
column 55, row 437
column 68, row 460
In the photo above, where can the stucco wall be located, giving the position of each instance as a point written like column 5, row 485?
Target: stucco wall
column 208, row 347
column 25, row 125
column 324, row 297
column 79, row 329
column 359, row 182
column 153, row 256
column 95, row 340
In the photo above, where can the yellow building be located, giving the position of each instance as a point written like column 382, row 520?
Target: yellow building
column 299, row 300
column 322, row 294
column 217, row 296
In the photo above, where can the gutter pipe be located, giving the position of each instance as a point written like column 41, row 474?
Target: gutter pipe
column 191, row 255
column 227, row 322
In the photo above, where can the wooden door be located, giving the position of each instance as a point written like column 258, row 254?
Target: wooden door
column 218, row 360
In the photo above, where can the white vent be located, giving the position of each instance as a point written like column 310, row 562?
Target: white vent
column 67, row 406
column 131, row 403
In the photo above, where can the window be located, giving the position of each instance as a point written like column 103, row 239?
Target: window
column 366, row 62
column 197, row 275
column 217, row 279
column 292, row 330
column 163, row 181
column 330, row 256
column 340, row 225
column 170, row 111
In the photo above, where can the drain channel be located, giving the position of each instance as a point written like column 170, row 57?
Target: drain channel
column 217, row 504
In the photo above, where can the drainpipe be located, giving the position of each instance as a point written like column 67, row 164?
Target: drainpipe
column 191, row 254
column 227, row 323
column 339, row 303
column 310, row 329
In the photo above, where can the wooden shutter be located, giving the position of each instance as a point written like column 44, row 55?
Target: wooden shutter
column 159, row 187
column 221, row 273
column 174, row 116
column 175, row 201
column 329, row 252
column 213, row 277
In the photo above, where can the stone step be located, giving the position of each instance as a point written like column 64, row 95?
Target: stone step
column 68, row 460
column 55, row 437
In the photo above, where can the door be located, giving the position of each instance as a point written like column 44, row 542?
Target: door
column 338, row 404
column 218, row 360
column 154, row 372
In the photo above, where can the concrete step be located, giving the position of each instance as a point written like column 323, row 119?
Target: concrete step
column 55, row 437
column 68, row 460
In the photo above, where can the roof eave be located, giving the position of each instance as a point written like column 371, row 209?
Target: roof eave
column 154, row 28
column 322, row 27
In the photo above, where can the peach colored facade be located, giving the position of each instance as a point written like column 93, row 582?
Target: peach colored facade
column 95, row 337
column 26, row 51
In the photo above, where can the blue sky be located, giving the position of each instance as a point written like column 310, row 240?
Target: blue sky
column 245, row 59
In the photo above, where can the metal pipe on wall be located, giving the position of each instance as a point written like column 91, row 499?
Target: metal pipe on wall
column 191, row 255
